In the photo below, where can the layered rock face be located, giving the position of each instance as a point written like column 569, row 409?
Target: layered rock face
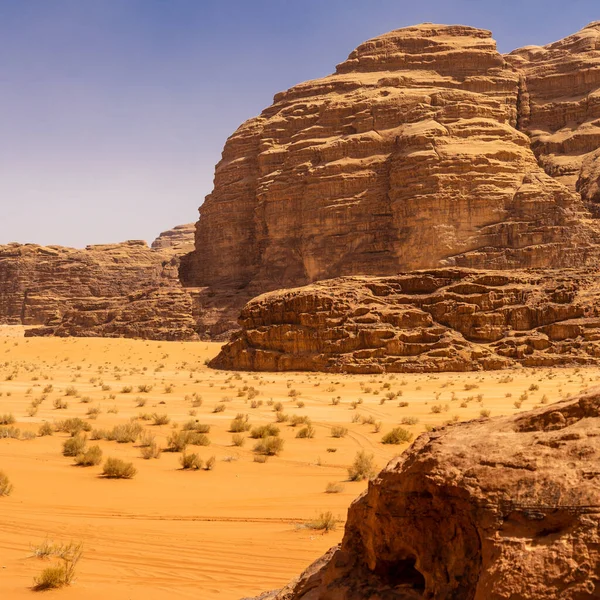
column 560, row 108
column 413, row 154
column 439, row 320
column 179, row 240
column 485, row 510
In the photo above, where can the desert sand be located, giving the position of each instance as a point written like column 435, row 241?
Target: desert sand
column 235, row 530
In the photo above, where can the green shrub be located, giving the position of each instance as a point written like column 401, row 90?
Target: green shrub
column 398, row 435
column 115, row 468
column 91, row 457
column 362, row 468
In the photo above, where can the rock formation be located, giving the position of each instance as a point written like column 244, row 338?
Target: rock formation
column 179, row 240
column 439, row 320
column 500, row 509
column 420, row 151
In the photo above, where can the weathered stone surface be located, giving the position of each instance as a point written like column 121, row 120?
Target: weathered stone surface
column 500, row 509
column 411, row 155
column 157, row 314
column 39, row 283
column 439, row 320
column 560, row 107
column 179, row 240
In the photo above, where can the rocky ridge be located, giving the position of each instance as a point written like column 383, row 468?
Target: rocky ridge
column 484, row 510
column 437, row 320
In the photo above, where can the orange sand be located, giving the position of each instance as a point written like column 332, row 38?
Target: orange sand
column 226, row 533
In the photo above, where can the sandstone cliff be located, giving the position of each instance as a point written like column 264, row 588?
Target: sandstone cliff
column 179, row 240
column 439, row 320
column 421, row 150
column 502, row 509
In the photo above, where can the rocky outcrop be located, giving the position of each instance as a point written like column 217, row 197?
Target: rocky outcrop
column 179, row 240
column 500, row 509
column 438, row 320
column 156, row 314
column 413, row 154
column 560, row 108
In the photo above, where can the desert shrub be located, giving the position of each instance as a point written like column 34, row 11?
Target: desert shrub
column 32, row 410
column 278, row 407
column 152, row 450
column 307, row 432
column 269, row 446
column 140, row 402
column 402, row 404
column 10, row 432
column 60, row 404
column 324, row 522
column 209, row 465
column 115, row 468
column 73, row 426
column 335, row 401
column 178, row 440
column 62, row 574
column 74, row 445
column 28, row 435
column 260, row 458
column 125, row 433
column 45, row 429
column 126, row 389
column 331, row 449
column 296, row 420
column 334, row 488
column 237, row 439
column 86, row 400
column 436, row 408
column 93, row 412
column 7, row 419
column 264, row 431
column 398, row 435
column 409, row 420
column 91, row 457
column 363, row 467
column 240, row 424
column 191, row 461
column 281, row 417
column 160, row 419
column 6, row 487
column 144, row 388
column 71, row 391
column 485, row 413
column 193, row 425
column 219, row 408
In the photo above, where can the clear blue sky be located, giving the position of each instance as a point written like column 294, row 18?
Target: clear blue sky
column 113, row 113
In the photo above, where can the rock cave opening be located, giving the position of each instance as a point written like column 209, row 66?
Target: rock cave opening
column 401, row 572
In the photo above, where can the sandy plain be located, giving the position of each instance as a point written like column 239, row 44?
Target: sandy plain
column 226, row 533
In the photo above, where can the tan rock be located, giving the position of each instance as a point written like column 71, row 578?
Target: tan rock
column 438, row 320
column 494, row 509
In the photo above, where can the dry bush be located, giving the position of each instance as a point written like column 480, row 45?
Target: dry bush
column 334, row 488
column 115, row 468
column 160, row 419
column 6, row 487
column 61, row 574
column 398, row 435
column 209, row 465
column 152, row 450
column 324, row 522
column 339, row 432
column 269, row 446
column 45, row 429
column 71, row 391
column 307, row 432
column 363, row 467
column 90, row 458
column 240, row 424
column 219, row 408
column 238, row 439
column 179, row 440
column 74, row 445
column 60, row 404
column 193, row 425
column 73, row 426
column 144, row 388
column 260, row 458
column 191, row 461
column 126, row 433
column 10, row 432
column 264, row 431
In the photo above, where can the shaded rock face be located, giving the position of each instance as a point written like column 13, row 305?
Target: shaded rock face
column 115, row 290
column 507, row 508
column 439, row 320
column 413, row 154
